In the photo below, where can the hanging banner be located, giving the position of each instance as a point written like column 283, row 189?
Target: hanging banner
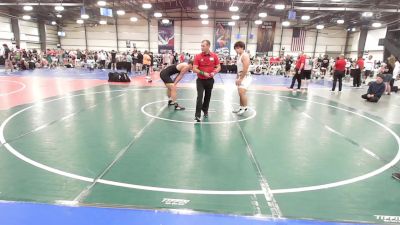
column 166, row 37
column 265, row 36
column 222, row 38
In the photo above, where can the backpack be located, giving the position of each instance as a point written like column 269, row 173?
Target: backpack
column 118, row 77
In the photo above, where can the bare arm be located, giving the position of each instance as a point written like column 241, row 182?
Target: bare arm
column 246, row 64
column 181, row 74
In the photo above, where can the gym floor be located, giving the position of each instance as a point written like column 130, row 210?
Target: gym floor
column 69, row 138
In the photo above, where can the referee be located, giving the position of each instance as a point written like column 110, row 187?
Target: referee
column 206, row 65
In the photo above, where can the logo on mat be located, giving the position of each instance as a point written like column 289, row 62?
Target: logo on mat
column 388, row 219
column 172, row 201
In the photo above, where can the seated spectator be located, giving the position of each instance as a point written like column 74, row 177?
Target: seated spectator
column 375, row 90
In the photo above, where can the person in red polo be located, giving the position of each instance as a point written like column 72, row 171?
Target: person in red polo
column 299, row 68
column 206, row 65
column 359, row 69
column 340, row 67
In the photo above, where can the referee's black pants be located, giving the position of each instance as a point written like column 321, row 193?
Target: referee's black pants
column 204, row 88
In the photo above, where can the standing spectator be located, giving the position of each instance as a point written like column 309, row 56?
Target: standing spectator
column 306, row 73
column 166, row 59
column 113, row 60
column 7, row 57
column 339, row 72
column 298, row 69
column 139, row 64
column 146, row 65
column 359, row 66
column 152, row 62
column 388, row 73
column 375, row 90
column 288, row 65
column 182, row 58
column 129, row 61
column 134, row 60
column 324, row 66
column 369, row 67
column 396, row 70
column 102, row 57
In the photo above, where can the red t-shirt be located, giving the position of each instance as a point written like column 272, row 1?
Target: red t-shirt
column 340, row 65
column 360, row 64
column 301, row 60
column 206, row 63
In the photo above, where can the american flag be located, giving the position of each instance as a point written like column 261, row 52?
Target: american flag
column 298, row 39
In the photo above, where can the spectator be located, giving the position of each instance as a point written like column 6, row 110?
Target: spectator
column 388, row 73
column 375, row 90
column 340, row 67
column 369, row 67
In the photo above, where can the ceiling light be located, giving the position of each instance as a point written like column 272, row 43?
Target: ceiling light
column 28, row 8
column 157, row 14
column 102, row 22
column 367, row 14
column 340, row 21
column 59, row 8
column 204, row 16
column 305, row 17
column 285, row 23
column 279, row 6
column 85, row 16
column 376, row 24
column 102, row 3
column 232, row 23
column 146, row 6
column 320, row 26
column 233, row 8
column 133, row 19
column 235, row 17
column 258, row 22
column 120, row 12
column 205, row 22
column 26, row 17
column 353, row 29
column 165, row 21
column 59, row 16
column 79, row 21
column 53, row 23
column 203, row 7
column 262, row 15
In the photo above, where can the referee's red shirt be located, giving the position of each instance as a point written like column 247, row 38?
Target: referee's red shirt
column 301, row 60
column 206, row 63
column 340, row 65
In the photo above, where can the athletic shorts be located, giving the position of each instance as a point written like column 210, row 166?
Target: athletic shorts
column 246, row 82
column 166, row 78
column 306, row 74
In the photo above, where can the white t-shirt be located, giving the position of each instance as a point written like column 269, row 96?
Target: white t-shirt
column 308, row 64
column 369, row 64
column 396, row 70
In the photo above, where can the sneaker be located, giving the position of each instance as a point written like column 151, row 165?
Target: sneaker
column 170, row 102
column 242, row 111
column 237, row 110
column 396, row 176
column 205, row 115
column 178, row 107
column 197, row 119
